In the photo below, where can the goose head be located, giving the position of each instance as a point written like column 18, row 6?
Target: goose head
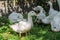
column 41, row 14
column 49, row 2
column 32, row 13
column 37, row 8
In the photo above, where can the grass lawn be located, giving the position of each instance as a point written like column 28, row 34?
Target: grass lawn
column 41, row 32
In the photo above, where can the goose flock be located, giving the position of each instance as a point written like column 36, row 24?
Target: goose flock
column 53, row 18
column 22, row 25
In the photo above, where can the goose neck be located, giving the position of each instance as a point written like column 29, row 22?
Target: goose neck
column 51, row 6
column 30, row 19
column 41, row 11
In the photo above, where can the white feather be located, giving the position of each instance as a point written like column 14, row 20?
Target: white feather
column 14, row 17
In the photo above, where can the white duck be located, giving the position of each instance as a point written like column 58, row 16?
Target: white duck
column 41, row 16
column 52, row 12
column 14, row 17
column 24, row 26
column 42, row 12
column 55, row 23
column 55, row 18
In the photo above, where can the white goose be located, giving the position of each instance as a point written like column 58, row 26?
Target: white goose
column 24, row 26
column 41, row 16
column 54, row 17
column 52, row 12
column 55, row 23
column 14, row 17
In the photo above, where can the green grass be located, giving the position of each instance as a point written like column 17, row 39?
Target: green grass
column 38, row 32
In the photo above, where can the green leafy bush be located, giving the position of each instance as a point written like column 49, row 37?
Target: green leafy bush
column 4, row 21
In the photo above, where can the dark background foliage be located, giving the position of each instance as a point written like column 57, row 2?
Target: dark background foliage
column 36, row 3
